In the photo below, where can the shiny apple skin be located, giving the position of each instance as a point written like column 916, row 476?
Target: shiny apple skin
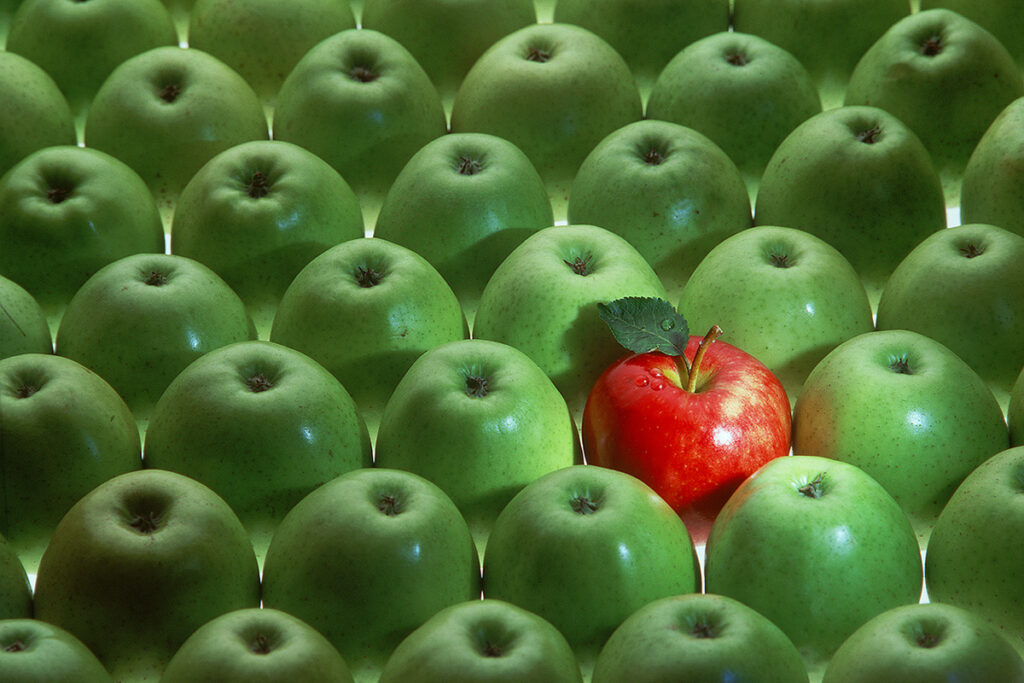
column 694, row 449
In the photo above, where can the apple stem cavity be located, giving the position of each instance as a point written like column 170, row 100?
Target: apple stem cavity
column 476, row 387
column 492, row 649
column 583, row 505
column 58, row 193
column 928, row 640
column 972, row 250
column 368, row 277
column 146, row 523
column 259, row 186
column 538, row 54
column 693, row 369
column 580, row 265
column 261, row 645
column 654, row 157
column 156, row 279
column 170, row 92
column 26, row 390
column 814, row 488
column 932, row 46
column 467, row 165
column 17, row 646
column 900, row 365
column 702, row 629
column 389, row 505
column 258, row 383
column 736, row 59
column 871, row 135
column 363, row 74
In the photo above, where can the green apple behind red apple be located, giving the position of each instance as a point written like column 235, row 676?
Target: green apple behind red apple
column 667, row 190
column 542, row 297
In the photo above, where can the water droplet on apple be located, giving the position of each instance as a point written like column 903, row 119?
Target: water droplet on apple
column 657, row 385
column 642, row 381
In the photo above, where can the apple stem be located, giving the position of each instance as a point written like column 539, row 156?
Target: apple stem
column 692, row 368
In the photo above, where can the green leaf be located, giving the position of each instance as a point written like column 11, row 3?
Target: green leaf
column 643, row 324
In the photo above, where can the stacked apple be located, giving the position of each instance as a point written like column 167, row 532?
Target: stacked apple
column 312, row 318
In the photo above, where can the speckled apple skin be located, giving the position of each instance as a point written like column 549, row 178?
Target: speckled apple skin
column 889, row 647
column 665, row 640
column 694, row 449
column 139, row 336
column 972, row 560
column 80, row 43
column 972, row 78
column 227, row 649
column 481, row 450
column 51, row 248
column 364, row 578
column 817, row 567
column 454, row 644
column 585, row 573
column 782, row 295
column 262, row 451
column 801, row 27
column 368, row 336
column 35, row 112
column 556, row 110
column 964, row 287
column 71, row 435
column 23, row 327
column 917, row 434
column 366, row 130
column 874, row 202
column 675, row 211
column 994, row 177
column 746, row 109
column 465, row 224
column 132, row 597
column 536, row 302
column 263, row 40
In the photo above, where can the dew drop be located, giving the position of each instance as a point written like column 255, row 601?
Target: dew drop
column 667, row 324
column 657, row 385
column 642, row 381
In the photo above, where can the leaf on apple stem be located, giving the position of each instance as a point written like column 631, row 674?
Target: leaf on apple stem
column 644, row 324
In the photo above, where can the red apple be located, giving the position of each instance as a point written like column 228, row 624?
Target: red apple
column 690, row 416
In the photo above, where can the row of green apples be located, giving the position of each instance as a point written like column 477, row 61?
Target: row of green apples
column 814, row 556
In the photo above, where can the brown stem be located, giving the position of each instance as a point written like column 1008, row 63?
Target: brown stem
column 714, row 333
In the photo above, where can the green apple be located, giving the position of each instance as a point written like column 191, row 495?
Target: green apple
column 32, row 651
column 169, row 110
column 553, row 90
column 464, row 202
column 818, row 547
column 67, row 211
column 263, row 40
column 584, row 547
column 939, row 61
column 33, row 112
column 367, row 558
column 666, row 189
column 969, row 562
column 481, row 420
column 542, row 297
column 80, row 43
column 365, row 310
column 15, row 589
column 740, row 90
column 860, row 179
column 924, row 643
column 964, row 288
column 483, row 641
column 1015, row 411
column 826, row 36
column 906, row 410
column 142, row 319
column 139, row 563
column 254, row 644
column 23, row 324
column 257, row 213
column 698, row 638
column 446, row 37
column 647, row 33
column 64, row 431
column 260, row 424
column 1001, row 17
column 362, row 102
column 780, row 294
column 994, row 176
